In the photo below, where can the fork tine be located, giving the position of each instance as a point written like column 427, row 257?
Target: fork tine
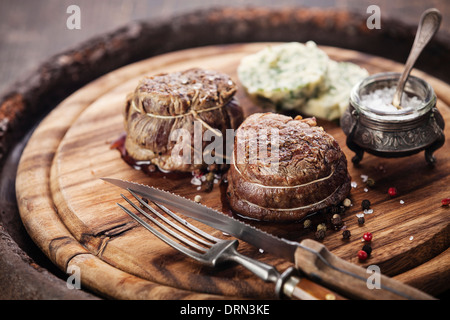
column 177, row 218
column 193, row 254
column 163, row 227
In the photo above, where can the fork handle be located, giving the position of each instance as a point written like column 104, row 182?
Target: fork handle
column 288, row 284
column 320, row 265
column 263, row 270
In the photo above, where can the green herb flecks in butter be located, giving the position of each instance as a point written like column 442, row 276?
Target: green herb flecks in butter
column 333, row 101
column 286, row 74
column 300, row 77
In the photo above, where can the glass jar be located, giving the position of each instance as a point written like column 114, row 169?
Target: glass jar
column 386, row 131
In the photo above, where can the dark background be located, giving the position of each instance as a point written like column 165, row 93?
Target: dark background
column 31, row 31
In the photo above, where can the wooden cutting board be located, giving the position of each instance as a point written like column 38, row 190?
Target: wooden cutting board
column 72, row 215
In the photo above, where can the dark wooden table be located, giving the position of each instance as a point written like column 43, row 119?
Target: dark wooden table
column 32, row 32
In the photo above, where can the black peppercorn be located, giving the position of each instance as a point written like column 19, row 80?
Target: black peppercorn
column 320, row 234
column 365, row 204
column 336, row 219
column 361, row 220
column 346, row 234
column 367, row 248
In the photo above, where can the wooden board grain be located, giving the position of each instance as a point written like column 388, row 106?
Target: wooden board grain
column 72, row 214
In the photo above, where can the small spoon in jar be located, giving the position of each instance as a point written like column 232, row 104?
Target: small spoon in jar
column 428, row 26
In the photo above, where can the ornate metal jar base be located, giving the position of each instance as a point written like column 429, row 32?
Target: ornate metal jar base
column 388, row 132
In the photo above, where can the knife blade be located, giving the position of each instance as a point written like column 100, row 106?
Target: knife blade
column 310, row 257
column 258, row 238
column 288, row 284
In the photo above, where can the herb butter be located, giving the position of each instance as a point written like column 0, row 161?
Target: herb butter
column 301, row 77
column 334, row 100
column 287, row 74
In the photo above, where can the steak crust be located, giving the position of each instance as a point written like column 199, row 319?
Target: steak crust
column 164, row 103
column 306, row 173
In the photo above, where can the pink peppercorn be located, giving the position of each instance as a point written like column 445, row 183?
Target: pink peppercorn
column 392, row 191
column 362, row 255
column 367, row 237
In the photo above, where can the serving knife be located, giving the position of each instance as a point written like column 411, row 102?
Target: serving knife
column 310, row 257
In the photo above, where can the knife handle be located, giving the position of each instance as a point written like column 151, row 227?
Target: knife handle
column 293, row 286
column 325, row 268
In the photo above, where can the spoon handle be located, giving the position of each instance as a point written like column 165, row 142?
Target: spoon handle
column 428, row 26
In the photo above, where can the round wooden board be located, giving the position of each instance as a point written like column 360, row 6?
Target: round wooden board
column 72, row 215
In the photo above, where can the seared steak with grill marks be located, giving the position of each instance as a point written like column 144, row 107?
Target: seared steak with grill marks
column 306, row 173
column 163, row 103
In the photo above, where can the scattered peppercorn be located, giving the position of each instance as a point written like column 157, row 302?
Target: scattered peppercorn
column 307, row 224
column 367, row 236
column 346, row 234
column 362, row 255
column 322, row 226
column 320, row 234
column 347, row 203
column 361, row 220
column 365, row 204
column 209, row 181
column 367, row 248
column 392, row 191
column 445, row 202
column 336, row 221
column 198, row 198
column 370, row 182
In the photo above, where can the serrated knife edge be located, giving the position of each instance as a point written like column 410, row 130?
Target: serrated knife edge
column 213, row 218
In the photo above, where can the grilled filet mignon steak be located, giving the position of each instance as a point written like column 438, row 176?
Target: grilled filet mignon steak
column 301, row 171
column 166, row 104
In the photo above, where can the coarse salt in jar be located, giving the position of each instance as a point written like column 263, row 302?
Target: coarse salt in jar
column 372, row 124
